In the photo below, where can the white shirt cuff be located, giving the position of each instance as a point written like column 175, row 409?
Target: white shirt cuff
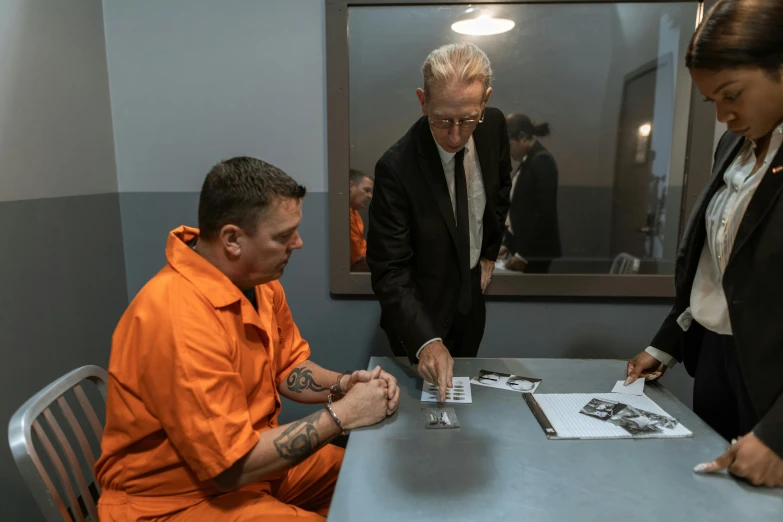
column 662, row 356
column 425, row 344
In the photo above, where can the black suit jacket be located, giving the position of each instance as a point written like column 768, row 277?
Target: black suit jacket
column 411, row 243
column 533, row 212
column 753, row 284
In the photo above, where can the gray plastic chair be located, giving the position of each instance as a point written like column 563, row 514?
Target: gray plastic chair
column 32, row 418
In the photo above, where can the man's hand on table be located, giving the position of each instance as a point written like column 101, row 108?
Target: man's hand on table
column 393, row 391
column 365, row 404
column 436, row 366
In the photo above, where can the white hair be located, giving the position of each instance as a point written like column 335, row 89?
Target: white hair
column 461, row 62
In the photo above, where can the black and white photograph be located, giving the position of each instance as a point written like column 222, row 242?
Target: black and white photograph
column 661, row 421
column 505, row 381
column 601, row 409
column 631, row 419
column 439, row 418
column 634, row 421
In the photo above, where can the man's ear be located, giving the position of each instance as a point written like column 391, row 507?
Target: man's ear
column 422, row 100
column 229, row 237
column 486, row 96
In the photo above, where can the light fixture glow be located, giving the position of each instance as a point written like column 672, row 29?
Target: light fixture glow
column 645, row 130
column 482, row 26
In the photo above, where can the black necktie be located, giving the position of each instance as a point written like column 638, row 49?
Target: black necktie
column 463, row 232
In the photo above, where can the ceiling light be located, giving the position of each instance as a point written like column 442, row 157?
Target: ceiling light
column 482, row 26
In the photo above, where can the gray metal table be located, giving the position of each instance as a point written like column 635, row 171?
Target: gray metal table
column 500, row 464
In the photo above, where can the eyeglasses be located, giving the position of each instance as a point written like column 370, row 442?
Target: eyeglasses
column 469, row 123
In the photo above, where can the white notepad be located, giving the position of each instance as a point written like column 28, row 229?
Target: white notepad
column 562, row 412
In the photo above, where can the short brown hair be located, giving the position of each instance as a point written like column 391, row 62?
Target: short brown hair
column 356, row 176
column 237, row 191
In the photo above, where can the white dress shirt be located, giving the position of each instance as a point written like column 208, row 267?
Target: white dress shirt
column 708, row 305
column 477, row 200
column 514, row 178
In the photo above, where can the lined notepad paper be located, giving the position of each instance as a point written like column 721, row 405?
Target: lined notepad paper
column 562, row 411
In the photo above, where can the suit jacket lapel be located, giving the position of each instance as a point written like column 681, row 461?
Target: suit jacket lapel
column 722, row 163
column 695, row 231
column 430, row 165
column 761, row 203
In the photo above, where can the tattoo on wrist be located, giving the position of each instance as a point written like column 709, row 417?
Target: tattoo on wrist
column 301, row 379
column 299, row 440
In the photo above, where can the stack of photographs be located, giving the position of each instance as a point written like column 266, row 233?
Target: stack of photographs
column 632, row 420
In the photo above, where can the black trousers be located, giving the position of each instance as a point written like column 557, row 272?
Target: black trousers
column 720, row 397
column 538, row 266
column 467, row 330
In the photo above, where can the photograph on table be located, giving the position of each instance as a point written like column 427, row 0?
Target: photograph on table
column 505, row 381
column 634, row 421
column 631, row 419
column 459, row 393
column 601, row 409
column 439, row 418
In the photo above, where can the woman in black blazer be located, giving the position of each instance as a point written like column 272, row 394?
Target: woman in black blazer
column 532, row 236
column 727, row 321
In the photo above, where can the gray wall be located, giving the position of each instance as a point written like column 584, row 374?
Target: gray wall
column 62, row 276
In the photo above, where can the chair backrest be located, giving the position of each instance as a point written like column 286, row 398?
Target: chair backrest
column 625, row 264
column 37, row 416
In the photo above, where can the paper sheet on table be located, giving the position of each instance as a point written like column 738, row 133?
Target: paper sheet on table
column 562, row 412
column 637, row 388
column 459, row 394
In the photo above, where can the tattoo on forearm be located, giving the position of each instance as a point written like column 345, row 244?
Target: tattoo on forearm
column 302, row 379
column 300, row 439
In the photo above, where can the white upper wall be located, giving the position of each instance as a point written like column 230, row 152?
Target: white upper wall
column 55, row 116
column 197, row 81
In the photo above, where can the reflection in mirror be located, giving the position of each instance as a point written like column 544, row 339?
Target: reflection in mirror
column 532, row 235
column 359, row 196
column 607, row 80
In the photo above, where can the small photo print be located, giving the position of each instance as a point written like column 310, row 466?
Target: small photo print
column 506, row 381
column 634, row 421
column 439, row 418
column 601, row 409
column 668, row 423
column 631, row 419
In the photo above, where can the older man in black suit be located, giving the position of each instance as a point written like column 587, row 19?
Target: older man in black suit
column 436, row 219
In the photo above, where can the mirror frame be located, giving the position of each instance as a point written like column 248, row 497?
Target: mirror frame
column 699, row 150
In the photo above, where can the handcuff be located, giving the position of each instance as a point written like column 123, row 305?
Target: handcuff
column 335, row 394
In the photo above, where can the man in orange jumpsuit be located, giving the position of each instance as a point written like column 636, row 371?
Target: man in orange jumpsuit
column 359, row 196
column 199, row 362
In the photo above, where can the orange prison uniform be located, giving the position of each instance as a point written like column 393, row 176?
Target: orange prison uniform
column 193, row 378
column 358, row 243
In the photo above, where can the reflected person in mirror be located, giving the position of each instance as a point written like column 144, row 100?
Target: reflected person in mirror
column 359, row 195
column 436, row 218
column 532, row 237
column 725, row 323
